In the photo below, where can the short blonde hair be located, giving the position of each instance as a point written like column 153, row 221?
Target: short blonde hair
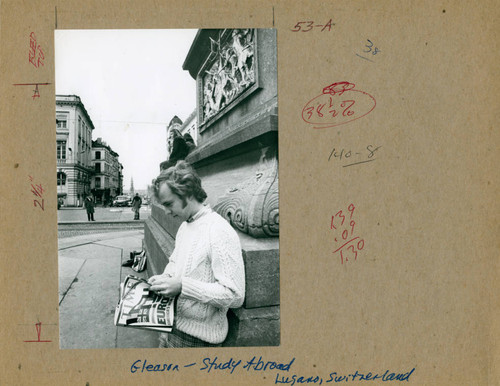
column 182, row 180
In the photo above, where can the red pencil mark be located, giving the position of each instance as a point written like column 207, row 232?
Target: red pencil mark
column 37, row 191
column 39, row 333
column 30, row 84
column 338, row 88
column 338, row 249
column 346, row 232
column 35, row 91
column 34, row 59
column 345, row 104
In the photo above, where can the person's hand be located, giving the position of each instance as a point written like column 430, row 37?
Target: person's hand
column 154, row 278
column 166, row 285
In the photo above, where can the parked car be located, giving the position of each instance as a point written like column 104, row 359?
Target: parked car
column 122, row 201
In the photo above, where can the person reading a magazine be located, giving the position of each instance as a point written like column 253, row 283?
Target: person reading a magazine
column 205, row 269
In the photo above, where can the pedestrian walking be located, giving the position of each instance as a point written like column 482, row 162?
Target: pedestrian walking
column 205, row 271
column 136, row 205
column 89, row 206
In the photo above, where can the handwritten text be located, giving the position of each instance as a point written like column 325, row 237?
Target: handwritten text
column 352, row 157
column 283, row 375
column 306, row 26
column 36, row 55
column 338, row 104
column 370, row 49
column 37, row 191
column 347, row 244
column 211, row 365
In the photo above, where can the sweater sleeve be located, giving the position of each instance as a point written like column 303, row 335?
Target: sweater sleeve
column 228, row 290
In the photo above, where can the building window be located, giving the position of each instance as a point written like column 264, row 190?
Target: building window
column 98, row 167
column 61, row 179
column 97, row 155
column 61, row 123
column 98, row 182
column 61, row 149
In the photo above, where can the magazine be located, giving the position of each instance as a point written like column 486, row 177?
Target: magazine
column 141, row 308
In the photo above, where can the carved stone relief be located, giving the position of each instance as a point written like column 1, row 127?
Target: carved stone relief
column 253, row 206
column 231, row 71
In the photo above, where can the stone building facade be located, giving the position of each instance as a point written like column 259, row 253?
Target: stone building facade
column 107, row 181
column 74, row 143
column 237, row 159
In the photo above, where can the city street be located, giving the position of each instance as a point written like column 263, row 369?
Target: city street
column 90, row 274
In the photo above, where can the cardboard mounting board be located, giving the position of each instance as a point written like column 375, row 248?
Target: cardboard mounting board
column 422, row 292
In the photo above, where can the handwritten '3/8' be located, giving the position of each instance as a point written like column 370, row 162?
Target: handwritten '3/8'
column 375, row 51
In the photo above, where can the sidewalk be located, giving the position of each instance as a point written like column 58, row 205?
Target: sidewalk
column 90, row 274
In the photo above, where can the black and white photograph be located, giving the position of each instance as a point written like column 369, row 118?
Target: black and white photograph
column 167, row 188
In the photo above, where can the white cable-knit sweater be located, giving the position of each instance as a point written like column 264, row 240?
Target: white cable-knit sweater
column 207, row 256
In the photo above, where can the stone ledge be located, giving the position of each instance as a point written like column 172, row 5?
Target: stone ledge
column 159, row 246
column 262, row 271
column 255, row 327
column 242, row 134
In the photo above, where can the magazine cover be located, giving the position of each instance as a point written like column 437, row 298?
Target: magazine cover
column 141, row 308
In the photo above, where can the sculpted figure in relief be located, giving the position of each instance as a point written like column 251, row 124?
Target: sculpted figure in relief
column 230, row 74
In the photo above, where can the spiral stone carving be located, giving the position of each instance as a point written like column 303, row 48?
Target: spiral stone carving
column 253, row 206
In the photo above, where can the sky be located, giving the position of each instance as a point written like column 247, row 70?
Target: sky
column 131, row 83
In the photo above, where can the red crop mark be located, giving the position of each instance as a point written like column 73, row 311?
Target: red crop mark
column 39, row 333
column 338, row 104
column 35, row 91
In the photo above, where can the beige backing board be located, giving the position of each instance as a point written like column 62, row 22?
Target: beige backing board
column 422, row 292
